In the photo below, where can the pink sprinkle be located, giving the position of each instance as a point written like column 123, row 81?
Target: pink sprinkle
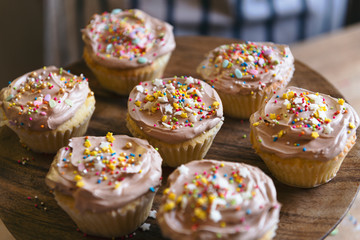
column 130, row 99
column 59, row 101
column 30, row 118
column 55, row 98
column 154, row 125
column 29, row 198
column 66, row 148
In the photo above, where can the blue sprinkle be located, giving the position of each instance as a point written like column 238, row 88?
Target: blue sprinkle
column 304, row 149
column 240, row 185
column 203, row 67
column 116, row 11
column 109, row 47
column 225, row 175
column 293, row 122
column 127, row 157
column 64, row 159
column 99, row 181
column 139, row 155
column 131, row 154
column 238, row 73
column 9, row 82
column 216, row 65
column 248, row 211
column 225, row 63
column 275, row 139
column 277, row 96
column 152, row 189
column 142, row 60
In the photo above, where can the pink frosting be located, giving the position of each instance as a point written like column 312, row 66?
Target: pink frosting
column 210, row 199
column 127, row 39
column 297, row 122
column 105, row 173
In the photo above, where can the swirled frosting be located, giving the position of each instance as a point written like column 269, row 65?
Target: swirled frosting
column 44, row 99
column 210, row 199
column 127, row 39
column 105, row 173
column 175, row 109
column 297, row 122
column 245, row 68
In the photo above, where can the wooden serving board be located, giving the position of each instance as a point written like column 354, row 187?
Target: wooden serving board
column 305, row 213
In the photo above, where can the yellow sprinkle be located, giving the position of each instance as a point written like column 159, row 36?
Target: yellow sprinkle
column 87, row 144
column 274, row 74
column 153, row 109
column 149, row 98
column 252, row 93
column 169, row 206
column 105, row 177
column 281, row 133
column 77, row 177
column 211, row 198
column 166, row 191
column 80, row 184
column 315, row 135
column 204, row 180
column 87, row 151
column 176, row 106
column 93, row 153
column 164, row 118
column 317, row 94
column 288, row 106
column 172, row 196
column 112, row 166
column 256, row 124
column 216, row 104
column 222, row 224
column 117, row 185
column 341, row 101
column 199, row 213
column 179, row 200
column 290, row 94
column 201, row 201
column 109, row 137
column 221, row 164
column 272, row 115
column 138, row 103
column 351, row 125
column 184, row 115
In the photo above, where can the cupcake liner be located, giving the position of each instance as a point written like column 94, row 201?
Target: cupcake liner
column 304, row 173
column 51, row 141
column 176, row 154
column 122, row 81
column 242, row 106
column 114, row 223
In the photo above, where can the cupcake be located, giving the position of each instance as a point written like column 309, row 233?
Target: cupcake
column 179, row 116
column 209, row 199
column 303, row 136
column 106, row 184
column 246, row 74
column 123, row 48
column 47, row 107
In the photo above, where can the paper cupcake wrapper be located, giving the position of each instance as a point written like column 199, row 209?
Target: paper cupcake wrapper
column 304, row 173
column 52, row 141
column 174, row 155
column 243, row 105
column 122, row 81
column 114, row 223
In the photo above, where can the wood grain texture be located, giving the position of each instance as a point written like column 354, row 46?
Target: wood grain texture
column 305, row 213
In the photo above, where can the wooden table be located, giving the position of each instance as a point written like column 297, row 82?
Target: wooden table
column 305, row 214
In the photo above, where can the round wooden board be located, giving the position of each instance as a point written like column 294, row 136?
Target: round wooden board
column 305, row 213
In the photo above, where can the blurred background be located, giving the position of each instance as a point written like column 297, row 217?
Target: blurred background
column 47, row 32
